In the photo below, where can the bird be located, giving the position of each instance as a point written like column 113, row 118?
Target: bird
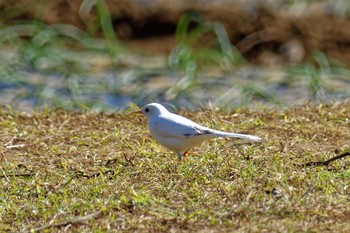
column 180, row 134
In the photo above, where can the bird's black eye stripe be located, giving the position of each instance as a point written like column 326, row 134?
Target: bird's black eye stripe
column 147, row 110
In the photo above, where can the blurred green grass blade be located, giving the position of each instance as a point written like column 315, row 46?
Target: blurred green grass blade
column 106, row 24
column 15, row 31
column 78, row 35
column 179, row 56
column 185, row 84
column 322, row 60
column 114, row 47
column 230, row 53
column 182, row 27
column 41, row 34
column 255, row 90
column 188, row 39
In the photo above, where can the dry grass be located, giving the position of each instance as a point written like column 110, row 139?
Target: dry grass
column 59, row 167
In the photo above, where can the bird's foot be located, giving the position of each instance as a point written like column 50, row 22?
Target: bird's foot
column 188, row 152
column 183, row 156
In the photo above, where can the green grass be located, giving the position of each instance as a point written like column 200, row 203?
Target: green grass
column 58, row 166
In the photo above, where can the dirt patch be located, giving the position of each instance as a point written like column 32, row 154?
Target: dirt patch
column 264, row 35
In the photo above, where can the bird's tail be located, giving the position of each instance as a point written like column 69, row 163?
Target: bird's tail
column 253, row 138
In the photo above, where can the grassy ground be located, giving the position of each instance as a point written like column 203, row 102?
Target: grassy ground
column 75, row 171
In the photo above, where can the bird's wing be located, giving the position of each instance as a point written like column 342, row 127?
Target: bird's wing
column 172, row 125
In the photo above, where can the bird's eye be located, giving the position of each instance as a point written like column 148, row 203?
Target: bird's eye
column 146, row 109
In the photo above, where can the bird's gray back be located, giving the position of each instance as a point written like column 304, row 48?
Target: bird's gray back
column 174, row 126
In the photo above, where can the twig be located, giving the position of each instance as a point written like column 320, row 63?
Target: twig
column 65, row 223
column 307, row 191
column 28, row 172
column 129, row 160
column 94, row 175
column 18, row 175
column 111, row 161
column 326, row 163
column 15, row 146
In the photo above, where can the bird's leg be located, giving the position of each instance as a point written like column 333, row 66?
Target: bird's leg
column 179, row 155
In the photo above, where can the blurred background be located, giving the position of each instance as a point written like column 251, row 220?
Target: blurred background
column 103, row 54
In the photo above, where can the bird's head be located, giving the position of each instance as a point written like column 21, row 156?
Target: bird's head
column 153, row 109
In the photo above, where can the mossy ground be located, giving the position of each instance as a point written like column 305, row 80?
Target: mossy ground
column 58, row 166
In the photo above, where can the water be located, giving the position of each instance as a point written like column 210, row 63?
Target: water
column 95, row 85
